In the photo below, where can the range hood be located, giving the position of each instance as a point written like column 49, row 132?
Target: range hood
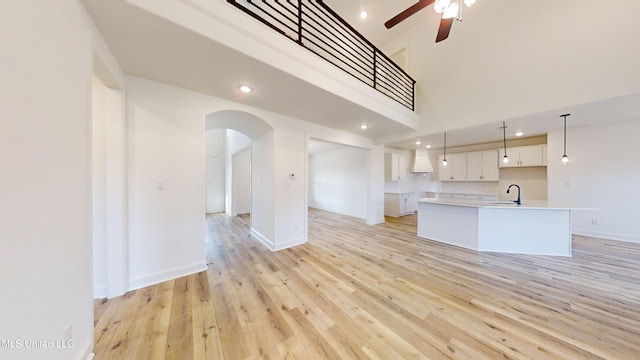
column 421, row 162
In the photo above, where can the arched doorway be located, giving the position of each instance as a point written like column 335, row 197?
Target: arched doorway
column 240, row 131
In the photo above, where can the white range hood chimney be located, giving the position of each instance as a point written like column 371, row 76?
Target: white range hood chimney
column 421, row 162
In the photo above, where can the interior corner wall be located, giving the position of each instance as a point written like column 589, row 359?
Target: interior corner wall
column 603, row 172
column 241, row 182
column 215, row 170
column 166, row 150
column 99, row 210
column 45, row 152
column 376, row 185
column 262, row 194
column 290, row 188
column 108, row 191
column 338, row 181
column 236, row 141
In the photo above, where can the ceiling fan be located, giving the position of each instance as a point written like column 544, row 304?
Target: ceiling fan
column 450, row 10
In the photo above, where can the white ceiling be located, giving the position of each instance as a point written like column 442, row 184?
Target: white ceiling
column 606, row 111
column 379, row 11
column 149, row 47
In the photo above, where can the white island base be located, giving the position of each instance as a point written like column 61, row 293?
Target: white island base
column 534, row 228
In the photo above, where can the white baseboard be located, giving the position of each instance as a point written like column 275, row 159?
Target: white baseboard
column 607, row 235
column 166, row 275
column 290, row 244
column 263, row 239
column 276, row 247
column 376, row 222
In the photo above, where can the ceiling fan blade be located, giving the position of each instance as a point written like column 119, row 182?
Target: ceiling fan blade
column 408, row 12
column 444, row 29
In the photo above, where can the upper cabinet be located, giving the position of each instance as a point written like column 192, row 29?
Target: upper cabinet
column 456, row 169
column 395, row 167
column 523, row 156
column 472, row 166
column 483, row 166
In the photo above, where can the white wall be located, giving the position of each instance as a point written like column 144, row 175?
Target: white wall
column 604, row 173
column 375, row 186
column 263, row 192
column 236, row 142
column 290, row 193
column 166, row 183
column 215, row 170
column 166, row 147
column 338, row 181
column 45, row 156
column 241, row 182
column 99, row 210
column 108, row 191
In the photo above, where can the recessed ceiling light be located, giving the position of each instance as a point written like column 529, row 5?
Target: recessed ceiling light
column 245, row 89
column 418, row 142
column 428, row 146
column 519, row 133
column 363, row 126
column 363, row 14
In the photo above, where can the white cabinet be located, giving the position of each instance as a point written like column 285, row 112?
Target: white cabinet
column 456, row 169
column 473, row 166
column 534, row 155
column 483, row 166
column 395, row 167
column 397, row 205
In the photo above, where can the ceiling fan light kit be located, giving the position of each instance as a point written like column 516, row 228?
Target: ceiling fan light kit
column 441, row 5
column 450, row 10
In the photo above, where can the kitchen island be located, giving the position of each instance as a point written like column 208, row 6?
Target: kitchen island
column 534, row 227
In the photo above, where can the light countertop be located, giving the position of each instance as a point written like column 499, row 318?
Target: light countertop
column 502, row 204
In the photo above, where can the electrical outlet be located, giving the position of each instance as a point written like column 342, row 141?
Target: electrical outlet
column 595, row 221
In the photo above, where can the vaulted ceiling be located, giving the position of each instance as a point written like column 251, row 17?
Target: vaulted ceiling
column 515, row 61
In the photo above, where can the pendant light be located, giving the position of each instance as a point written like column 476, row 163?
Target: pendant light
column 505, row 159
column 444, row 159
column 565, row 158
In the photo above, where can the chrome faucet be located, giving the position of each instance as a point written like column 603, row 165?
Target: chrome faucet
column 519, row 202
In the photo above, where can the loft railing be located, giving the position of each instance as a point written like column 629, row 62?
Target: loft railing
column 315, row 26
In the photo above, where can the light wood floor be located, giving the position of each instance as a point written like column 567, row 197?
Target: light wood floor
column 379, row 292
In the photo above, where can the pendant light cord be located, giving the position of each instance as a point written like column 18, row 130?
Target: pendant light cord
column 564, row 117
column 445, row 145
column 565, row 134
column 504, row 137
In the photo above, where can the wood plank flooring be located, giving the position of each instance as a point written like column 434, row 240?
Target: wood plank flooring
column 379, row 292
